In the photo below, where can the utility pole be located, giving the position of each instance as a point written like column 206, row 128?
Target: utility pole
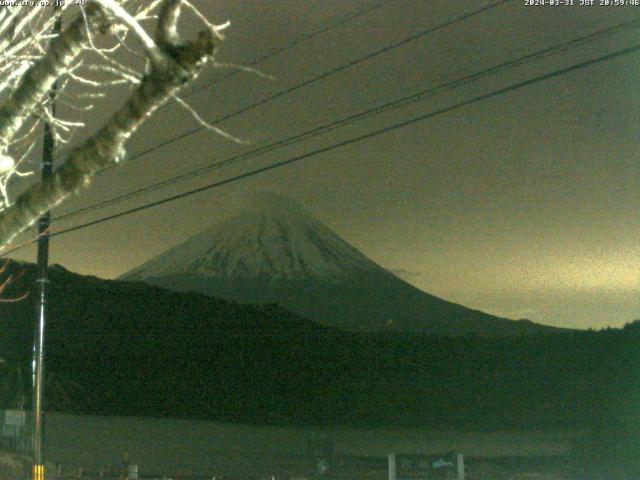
column 44, row 222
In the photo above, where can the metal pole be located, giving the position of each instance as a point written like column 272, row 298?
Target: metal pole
column 460, row 462
column 392, row 466
column 42, row 280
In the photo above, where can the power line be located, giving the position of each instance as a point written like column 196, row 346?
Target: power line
column 401, row 102
column 458, row 18
column 294, row 43
column 476, row 99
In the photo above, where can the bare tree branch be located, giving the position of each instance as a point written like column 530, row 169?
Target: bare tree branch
column 39, row 79
column 154, row 53
column 180, row 64
column 167, row 31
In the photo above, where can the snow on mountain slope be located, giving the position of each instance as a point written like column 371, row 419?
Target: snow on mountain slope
column 269, row 237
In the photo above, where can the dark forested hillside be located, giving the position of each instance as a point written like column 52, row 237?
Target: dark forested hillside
column 128, row 348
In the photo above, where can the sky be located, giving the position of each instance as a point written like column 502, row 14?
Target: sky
column 523, row 205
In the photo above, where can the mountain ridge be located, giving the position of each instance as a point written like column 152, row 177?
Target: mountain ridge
column 269, row 250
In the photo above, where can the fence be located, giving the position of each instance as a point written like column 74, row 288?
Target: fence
column 342, row 467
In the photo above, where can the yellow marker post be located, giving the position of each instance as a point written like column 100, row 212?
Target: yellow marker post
column 38, row 472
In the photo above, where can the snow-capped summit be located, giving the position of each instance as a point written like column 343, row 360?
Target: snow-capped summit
column 267, row 249
column 264, row 235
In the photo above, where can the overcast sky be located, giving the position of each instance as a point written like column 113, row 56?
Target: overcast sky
column 522, row 205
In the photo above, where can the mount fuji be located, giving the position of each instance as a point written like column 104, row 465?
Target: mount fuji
column 270, row 250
